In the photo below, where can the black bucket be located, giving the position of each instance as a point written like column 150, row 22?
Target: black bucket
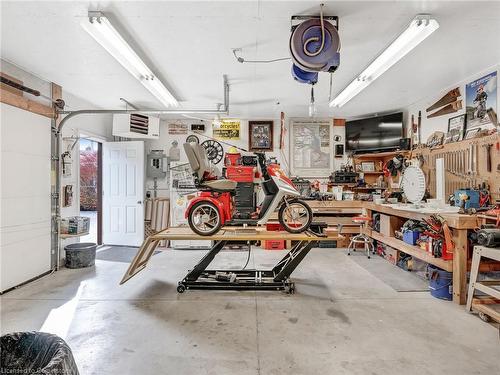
column 80, row 255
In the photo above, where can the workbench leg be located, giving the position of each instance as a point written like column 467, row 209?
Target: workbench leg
column 474, row 270
column 460, row 266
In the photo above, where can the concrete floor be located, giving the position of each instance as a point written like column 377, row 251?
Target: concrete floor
column 342, row 320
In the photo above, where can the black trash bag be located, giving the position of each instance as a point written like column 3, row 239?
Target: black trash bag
column 36, row 353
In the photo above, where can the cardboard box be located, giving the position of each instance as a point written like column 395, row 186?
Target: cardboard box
column 388, row 224
column 391, row 254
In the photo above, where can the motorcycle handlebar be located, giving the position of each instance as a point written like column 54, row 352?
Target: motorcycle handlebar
column 261, row 158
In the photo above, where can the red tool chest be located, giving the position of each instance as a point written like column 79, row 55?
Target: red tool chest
column 240, row 173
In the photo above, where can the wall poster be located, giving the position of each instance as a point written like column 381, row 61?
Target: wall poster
column 228, row 129
column 311, row 147
column 481, row 96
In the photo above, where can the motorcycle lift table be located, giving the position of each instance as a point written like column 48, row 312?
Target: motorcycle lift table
column 278, row 278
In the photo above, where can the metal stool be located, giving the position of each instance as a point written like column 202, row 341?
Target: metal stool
column 361, row 238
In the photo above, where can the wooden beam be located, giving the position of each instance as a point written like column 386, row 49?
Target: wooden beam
column 339, row 122
column 10, row 88
column 460, row 266
column 21, row 102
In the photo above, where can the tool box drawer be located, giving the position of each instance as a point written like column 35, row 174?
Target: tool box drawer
column 240, row 173
column 245, row 195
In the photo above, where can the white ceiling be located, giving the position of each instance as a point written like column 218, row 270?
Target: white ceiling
column 189, row 44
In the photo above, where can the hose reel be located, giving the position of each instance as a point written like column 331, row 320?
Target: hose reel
column 314, row 47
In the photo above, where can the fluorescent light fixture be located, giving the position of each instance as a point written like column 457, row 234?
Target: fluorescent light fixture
column 99, row 27
column 419, row 29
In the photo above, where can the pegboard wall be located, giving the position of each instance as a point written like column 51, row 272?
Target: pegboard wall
column 463, row 170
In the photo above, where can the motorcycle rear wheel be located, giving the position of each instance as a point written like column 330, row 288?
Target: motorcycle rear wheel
column 204, row 219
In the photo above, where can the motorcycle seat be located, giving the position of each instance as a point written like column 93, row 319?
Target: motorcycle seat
column 204, row 177
column 220, row 185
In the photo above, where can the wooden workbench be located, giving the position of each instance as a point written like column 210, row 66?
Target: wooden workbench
column 459, row 225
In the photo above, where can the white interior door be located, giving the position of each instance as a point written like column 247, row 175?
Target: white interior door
column 123, row 192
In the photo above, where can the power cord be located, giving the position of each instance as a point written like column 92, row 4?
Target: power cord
column 242, row 60
column 248, row 257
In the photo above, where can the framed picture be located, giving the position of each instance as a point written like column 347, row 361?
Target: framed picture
column 368, row 166
column 260, row 135
column 339, row 151
column 456, row 128
column 471, row 133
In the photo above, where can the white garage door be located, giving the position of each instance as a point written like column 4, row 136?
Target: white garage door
column 24, row 196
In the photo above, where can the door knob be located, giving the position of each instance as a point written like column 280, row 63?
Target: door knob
column 139, row 202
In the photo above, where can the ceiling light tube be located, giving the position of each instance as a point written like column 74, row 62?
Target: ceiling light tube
column 419, row 29
column 99, row 27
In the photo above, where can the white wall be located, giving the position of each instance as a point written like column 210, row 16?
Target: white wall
column 441, row 123
column 25, row 222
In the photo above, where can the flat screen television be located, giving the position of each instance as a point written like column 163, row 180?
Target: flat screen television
column 374, row 134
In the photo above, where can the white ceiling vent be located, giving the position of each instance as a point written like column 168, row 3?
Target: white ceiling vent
column 136, row 126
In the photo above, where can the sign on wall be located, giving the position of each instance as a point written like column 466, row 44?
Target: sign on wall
column 481, row 96
column 311, row 150
column 228, row 129
column 177, row 129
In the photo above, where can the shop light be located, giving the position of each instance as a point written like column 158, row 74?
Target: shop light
column 419, row 29
column 99, row 27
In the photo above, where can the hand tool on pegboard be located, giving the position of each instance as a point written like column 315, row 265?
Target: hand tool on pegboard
column 487, row 147
column 419, row 125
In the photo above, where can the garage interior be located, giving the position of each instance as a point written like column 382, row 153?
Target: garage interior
column 193, row 187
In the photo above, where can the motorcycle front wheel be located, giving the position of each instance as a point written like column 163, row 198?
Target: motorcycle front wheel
column 295, row 216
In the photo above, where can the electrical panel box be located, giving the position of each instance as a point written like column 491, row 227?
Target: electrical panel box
column 157, row 163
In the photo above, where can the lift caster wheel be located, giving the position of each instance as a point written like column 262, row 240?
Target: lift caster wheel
column 291, row 289
column 484, row 317
column 181, row 288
